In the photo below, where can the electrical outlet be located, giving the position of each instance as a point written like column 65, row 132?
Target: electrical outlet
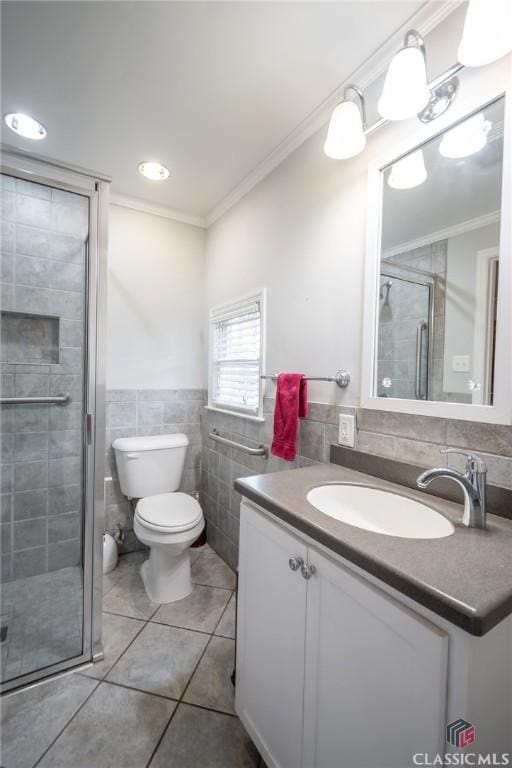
column 346, row 430
column 461, row 363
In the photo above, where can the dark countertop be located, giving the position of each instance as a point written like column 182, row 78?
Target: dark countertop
column 466, row 578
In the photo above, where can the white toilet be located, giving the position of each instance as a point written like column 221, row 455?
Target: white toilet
column 150, row 469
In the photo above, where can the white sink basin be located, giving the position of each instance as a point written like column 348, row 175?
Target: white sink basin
column 380, row 511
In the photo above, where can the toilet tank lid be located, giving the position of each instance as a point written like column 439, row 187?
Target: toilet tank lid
column 150, row 442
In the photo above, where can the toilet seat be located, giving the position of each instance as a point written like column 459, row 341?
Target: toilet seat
column 168, row 512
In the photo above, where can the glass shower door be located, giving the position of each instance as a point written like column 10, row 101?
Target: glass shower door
column 404, row 338
column 43, row 390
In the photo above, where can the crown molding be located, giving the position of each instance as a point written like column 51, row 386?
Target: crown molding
column 443, row 234
column 136, row 204
column 424, row 20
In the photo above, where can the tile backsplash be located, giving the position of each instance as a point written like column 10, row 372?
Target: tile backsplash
column 382, row 433
column 133, row 412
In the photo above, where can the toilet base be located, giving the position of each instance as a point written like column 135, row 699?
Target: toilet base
column 166, row 578
column 166, row 574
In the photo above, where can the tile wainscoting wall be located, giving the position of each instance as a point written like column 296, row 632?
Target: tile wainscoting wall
column 212, row 468
column 380, row 433
column 133, row 412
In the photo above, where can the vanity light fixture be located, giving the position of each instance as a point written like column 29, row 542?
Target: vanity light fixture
column 408, row 172
column 25, row 126
column 406, row 91
column 345, row 135
column 487, row 34
column 154, row 170
column 439, row 101
column 467, row 138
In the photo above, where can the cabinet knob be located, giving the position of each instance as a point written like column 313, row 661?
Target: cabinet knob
column 295, row 563
column 307, row 571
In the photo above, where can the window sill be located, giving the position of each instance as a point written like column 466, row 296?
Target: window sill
column 247, row 416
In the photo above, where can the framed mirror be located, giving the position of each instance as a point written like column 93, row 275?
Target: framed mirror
column 437, row 320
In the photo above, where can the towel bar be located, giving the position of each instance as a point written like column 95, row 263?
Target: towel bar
column 341, row 378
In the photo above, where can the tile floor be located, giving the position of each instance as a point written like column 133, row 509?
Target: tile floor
column 161, row 698
column 43, row 616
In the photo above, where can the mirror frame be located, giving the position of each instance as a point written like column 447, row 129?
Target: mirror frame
column 500, row 412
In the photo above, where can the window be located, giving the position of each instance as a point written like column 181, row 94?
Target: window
column 236, row 356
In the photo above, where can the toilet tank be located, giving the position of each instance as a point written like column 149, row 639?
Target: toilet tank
column 150, row 465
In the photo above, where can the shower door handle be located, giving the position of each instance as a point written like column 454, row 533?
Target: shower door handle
column 56, row 400
column 89, row 427
column 422, row 326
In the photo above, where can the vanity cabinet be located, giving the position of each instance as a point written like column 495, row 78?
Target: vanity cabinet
column 331, row 671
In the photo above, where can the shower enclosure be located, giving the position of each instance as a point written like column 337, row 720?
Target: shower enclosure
column 53, row 250
column 406, row 364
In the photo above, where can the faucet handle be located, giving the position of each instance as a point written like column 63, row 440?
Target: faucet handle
column 474, row 463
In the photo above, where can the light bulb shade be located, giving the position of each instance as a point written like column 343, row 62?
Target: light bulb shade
column 405, row 91
column 345, row 135
column 487, row 34
column 408, row 172
column 465, row 139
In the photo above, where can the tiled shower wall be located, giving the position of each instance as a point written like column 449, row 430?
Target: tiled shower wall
column 42, row 273
column 406, row 306
column 133, row 412
column 378, row 432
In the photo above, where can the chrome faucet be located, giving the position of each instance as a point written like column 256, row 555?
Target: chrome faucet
column 472, row 482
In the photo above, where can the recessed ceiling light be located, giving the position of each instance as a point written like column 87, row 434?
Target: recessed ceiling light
column 25, row 126
column 154, row 171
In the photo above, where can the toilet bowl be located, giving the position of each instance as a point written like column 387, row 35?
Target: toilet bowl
column 167, row 521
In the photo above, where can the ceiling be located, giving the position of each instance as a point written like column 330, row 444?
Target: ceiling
column 208, row 88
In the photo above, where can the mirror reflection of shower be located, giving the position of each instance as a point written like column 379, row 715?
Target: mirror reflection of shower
column 386, row 312
column 406, row 304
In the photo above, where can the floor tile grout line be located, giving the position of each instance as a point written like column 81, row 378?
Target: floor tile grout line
column 160, row 739
column 188, row 629
column 144, row 625
column 195, row 669
column 186, row 704
column 84, row 702
column 233, row 592
column 127, row 687
column 159, row 695
column 215, row 586
column 208, row 709
column 126, row 616
column 180, row 701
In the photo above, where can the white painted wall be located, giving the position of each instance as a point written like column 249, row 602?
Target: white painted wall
column 461, row 301
column 301, row 233
column 155, row 302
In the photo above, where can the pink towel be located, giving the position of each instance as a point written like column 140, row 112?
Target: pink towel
column 291, row 405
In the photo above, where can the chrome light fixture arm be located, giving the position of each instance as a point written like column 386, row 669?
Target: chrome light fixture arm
column 359, row 94
column 418, row 42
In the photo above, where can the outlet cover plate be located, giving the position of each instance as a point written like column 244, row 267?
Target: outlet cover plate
column 346, row 430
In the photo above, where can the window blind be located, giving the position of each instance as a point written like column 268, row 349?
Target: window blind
column 236, row 357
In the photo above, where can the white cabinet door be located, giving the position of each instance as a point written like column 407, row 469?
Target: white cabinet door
column 375, row 679
column 270, row 639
